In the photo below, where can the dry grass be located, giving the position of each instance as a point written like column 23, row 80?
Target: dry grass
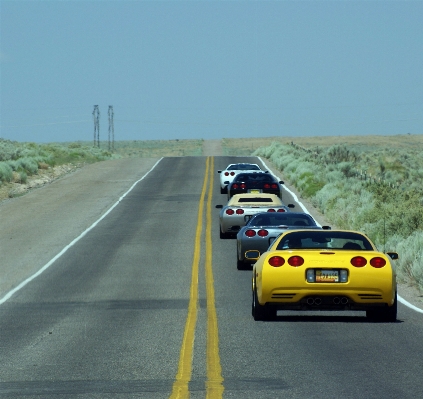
column 246, row 146
column 240, row 147
column 44, row 176
column 157, row 148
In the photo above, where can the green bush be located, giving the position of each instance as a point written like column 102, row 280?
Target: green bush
column 23, row 177
column 29, row 165
column 409, row 265
column 25, row 158
column 6, row 172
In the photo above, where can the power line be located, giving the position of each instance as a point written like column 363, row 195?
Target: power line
column 96, row 116
column 111, row 129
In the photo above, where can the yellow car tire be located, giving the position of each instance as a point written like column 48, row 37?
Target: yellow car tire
column 261, row 312
column 388, row 314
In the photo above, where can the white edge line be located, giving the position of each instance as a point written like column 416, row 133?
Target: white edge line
column 287, row 189
column 47, row 265
column 400, row 299
column 408, row 304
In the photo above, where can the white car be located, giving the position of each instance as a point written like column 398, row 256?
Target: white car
column 227, row 175
column 241, row 207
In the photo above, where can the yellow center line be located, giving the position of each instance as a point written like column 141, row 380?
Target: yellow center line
column 180, row 386
column 214, row 383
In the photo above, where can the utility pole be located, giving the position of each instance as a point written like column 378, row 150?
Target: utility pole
column 96, row 116
column 111, row 129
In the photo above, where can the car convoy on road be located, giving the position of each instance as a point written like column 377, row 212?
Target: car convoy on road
column 298, row 264
column 233, row 169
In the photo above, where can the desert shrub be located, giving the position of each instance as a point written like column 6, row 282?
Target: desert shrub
column 309, row 184
column 325, row 197
column 6, row 172
column 267, row 152
column 410, row 251
column 42, row 165
column 27, row 157
column 29, row 165
column 14, row 165
column 392, row 176
column 24, row 177
column 333, row 176
column 283, row 161
column 340, row 154
column 347, row 169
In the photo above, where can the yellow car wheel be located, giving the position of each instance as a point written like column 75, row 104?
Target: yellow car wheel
column 261, row 312
column 388, row 314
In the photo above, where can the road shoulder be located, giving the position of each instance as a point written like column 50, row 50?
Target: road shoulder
column 37, row 226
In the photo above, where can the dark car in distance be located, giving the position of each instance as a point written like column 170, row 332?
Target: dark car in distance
column 255, row 183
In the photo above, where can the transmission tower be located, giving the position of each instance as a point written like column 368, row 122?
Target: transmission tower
column 111, row 129
column 96, row 116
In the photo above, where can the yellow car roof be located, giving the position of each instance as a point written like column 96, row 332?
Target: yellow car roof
column 256, row 199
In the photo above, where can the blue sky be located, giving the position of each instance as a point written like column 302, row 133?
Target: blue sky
column 210, row 69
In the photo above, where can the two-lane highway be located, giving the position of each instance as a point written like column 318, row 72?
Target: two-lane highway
column 150, row 304
column 108, row 317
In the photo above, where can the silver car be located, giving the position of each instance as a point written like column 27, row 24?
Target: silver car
column 262, row 229
column 227, row 175
column 241, row 207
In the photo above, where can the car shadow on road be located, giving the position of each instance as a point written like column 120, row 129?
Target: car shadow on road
column 329, row 319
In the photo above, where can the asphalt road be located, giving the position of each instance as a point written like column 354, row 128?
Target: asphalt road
column 119, row 314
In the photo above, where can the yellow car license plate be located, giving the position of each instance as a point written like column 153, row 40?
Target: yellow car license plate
column 254, row 191
column 327, row 276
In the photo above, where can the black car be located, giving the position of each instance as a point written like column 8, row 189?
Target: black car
column 255, row 183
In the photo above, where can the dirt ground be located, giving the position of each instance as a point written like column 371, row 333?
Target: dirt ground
column 52, row 209
column 212, row 148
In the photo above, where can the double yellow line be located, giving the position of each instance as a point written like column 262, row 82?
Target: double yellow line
column 214, row 383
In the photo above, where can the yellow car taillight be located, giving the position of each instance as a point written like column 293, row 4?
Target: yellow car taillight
column 378, row 262
column 276, row 261
column 296, row 261
column 358, row 261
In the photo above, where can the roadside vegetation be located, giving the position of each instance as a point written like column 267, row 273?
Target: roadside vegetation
column 158, row 148
column 150, row 148
column 21, row 161
column 376, row 189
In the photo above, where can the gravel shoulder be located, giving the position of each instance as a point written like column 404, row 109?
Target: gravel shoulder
column 38, row 225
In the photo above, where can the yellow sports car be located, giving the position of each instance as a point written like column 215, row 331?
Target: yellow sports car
column 323, row 270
